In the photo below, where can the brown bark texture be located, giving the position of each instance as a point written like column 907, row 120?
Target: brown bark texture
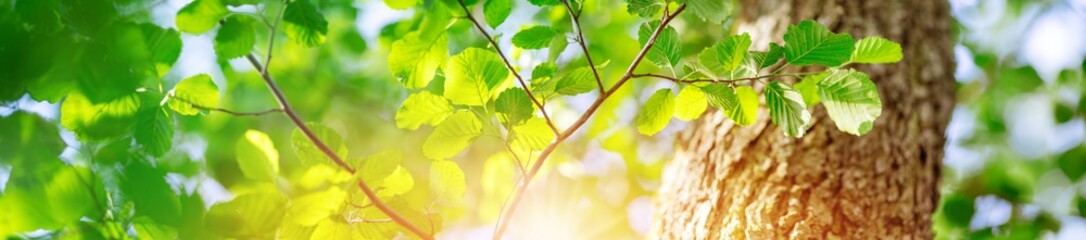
column 733, row 182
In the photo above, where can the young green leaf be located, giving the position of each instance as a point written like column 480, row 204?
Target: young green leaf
column 251, row 214
column 87, row 119
column 578, row 81
column 400, row 4
column 533, row 134
column 536, row 37
column 472, row 75
column 739, row 104
column 304, row 24
column 766, row 59
column 200, row 15
column 714, row 11
column 514, row 106
column 422, row 108
column 398, row 183
column 310, row 209
column 308, row 153
column 667, row 50
column 452, row 136
column 644, row 8
column 164, row 45
column 235, row 38
column 379, row 166
column 656, row 112
column 332, row 228
column 154, row 130
column 690, row 103
column 732, row 51
column 148, row 229
column 810, row 43
column 851, row 100
column 197, row 90
column 876, row 50
column 447, row 182
column 257, row 157
column 414, row 59
column 786, row 109
column 544, row 70
column 495, row 11
column 808, row 88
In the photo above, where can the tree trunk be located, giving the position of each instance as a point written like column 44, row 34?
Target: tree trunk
column 734, row 182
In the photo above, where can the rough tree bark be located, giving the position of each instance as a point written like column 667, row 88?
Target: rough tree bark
column 734, row 182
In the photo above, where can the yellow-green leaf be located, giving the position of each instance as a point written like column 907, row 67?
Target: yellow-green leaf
column 876, row 50
column 422, row 108
column 786, row 109
column 690, row 103
column 200, row 15
column 414, row 59
column 472, row 76
column 851, row 100
column 257, row 156
column 447, row 182
column 452, row 136
column 308, row 153
column 310, row 209
column 533, row 134
column 197, row 90
column 656, row 112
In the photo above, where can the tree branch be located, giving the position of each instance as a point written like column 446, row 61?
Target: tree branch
column 400, row 220
column 523, row 185
column 580, row 41
column 508, row 65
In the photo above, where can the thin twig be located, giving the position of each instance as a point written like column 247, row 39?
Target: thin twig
column 580, row 41
column 294, row 117
column 271, row 38
column 523, row 84
column 523, row 185
column 223, row 110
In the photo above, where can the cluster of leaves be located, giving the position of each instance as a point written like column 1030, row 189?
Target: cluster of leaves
column 108, row 72
column 478, row 92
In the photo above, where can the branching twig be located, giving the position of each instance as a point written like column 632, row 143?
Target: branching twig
column 223, row 110
column 470, row 17
column 294, row 117
column 538, row 164
column 580, row 41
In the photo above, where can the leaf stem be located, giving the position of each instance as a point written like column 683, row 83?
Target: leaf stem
column 227, row 111
column 508, row 65
column 712, row 80
column 538, row 164
column 294, row 117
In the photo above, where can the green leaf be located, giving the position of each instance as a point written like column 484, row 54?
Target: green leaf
column 766, row 59
column 808, row 88
column 732, row 51
column 876, row 50
column 544, row 3
column 304, row 24
column 786, row 109
column 690, row 103
column 164, row 45
column 235, row 38
column 667, row 50
column 257, row 156
column 332, row 228
column 644, row 8
column 379, row 165
column 533, row 134
column 148, row 229
column 536, row 37
column 447, row 182
column 310, row 209
column 714, row 11
column 495, row 11
column 452, row 136
column 308, row 153
column 810, row 43
column 248, row 215
column 87, row 119
column 544, row 70
column 398, row 183
column 514, row 106
column 851, row 100
column 152, row 196
column 580, row 80
column 154, row 131
column 472, row 75
column 414, row 59
column 197, row 90
column 656, row 112
column 739, row 104
column 400, row 4
column 423, row 108
column 200, row 16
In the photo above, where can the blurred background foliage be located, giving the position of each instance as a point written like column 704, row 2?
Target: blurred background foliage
column 1014, row 165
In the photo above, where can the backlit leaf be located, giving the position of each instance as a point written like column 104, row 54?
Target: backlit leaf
column 447, row 182
column 235, row 38
column 495, row 11
column 200, row 15
column 786, row 109
column 667, row 49
column 876, row 50
column 310, row 209
column 536, row 37
column 690, row 103
column 308, row 153
column 414, row 59
column 422, row 108
column 851, row 100
column 533, row 134
column 197, row 90
column 452, row 136
column 304, row 24
column 656, row 112
column 472, row 75
column 257, row 156
column 514, row 106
